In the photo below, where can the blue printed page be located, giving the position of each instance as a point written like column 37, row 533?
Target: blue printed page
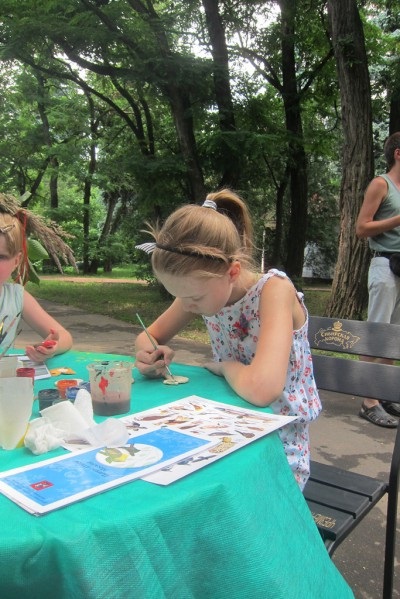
column 56, row 482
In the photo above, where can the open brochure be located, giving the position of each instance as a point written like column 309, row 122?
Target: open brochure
column 165, row 444
column 59, row 481
column 233, row 427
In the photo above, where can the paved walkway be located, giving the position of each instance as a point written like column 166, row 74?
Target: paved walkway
column 367, row 449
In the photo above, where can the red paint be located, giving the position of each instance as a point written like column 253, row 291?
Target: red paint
column 49, row 343
column 103, row 385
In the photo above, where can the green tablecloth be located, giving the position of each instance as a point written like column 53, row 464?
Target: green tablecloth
column 236, row 529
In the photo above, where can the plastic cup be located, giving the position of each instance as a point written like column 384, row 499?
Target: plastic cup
column 16, row 402
column 8, row 366
column 110, row 387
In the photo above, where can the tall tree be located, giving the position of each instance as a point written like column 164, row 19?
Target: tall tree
column 223, row 93
column 130, row 43
column 349, row 283
column 42, row 102
column 292, row 71
column 297, row 160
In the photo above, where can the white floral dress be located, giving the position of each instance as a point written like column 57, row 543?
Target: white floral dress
column 234, row 335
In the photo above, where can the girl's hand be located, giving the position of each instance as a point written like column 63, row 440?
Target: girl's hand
column 45, row 349
column 152, row 363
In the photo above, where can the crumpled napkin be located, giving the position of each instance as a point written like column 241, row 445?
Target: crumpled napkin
column 42, row 436
column 65, row 422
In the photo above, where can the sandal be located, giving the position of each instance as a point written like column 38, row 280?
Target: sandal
column 391, row 408
column 378, row 416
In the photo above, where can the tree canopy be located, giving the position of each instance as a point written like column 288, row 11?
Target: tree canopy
column 117, row 111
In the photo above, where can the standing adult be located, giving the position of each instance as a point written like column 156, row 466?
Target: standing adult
column 379, row 221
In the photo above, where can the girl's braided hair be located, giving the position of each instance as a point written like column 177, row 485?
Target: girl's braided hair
column 17, row 224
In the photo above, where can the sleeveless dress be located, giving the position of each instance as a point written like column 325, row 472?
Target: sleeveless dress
column 234, row 335
column 11, row 304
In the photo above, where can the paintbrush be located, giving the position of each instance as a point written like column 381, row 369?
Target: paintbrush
column 152, row 342
column 4, row 335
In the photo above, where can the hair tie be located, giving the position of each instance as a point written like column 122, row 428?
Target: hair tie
column 210, row 204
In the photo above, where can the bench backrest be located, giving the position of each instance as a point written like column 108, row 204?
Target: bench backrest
column 357, row 338
column 329, row 486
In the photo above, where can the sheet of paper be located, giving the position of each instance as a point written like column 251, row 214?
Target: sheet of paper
column 233, row 427
column 59, row 481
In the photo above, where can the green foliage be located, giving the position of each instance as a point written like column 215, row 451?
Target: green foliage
column 106, row 95
column 36, row 253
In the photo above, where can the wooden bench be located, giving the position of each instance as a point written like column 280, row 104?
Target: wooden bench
column 339, row 499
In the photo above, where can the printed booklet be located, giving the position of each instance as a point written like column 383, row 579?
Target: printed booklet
column 165, row 444
column 56, row 482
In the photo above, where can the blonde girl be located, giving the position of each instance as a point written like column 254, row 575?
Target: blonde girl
column 257, row 323
column 16, row 303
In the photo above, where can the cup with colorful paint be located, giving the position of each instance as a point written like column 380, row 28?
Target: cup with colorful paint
column 110, row 387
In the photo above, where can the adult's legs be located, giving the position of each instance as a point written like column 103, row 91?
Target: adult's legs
column 383, row 306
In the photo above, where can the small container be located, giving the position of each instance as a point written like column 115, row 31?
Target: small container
column 47, row 397
column 71, row 393
column 27, row 372
column 63, row 384
column 110, row 387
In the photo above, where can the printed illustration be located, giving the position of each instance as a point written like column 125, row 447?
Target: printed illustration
column 232, row 427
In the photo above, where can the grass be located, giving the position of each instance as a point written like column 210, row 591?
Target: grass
column 118, row 300
column 123, row 300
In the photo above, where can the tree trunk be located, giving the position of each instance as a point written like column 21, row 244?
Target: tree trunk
column 349, row 283
column 87, row 190
column 394, row 115
column 297, row 155
column 172, row 82
column 53, row 184
column 223, row 93
column 53, row 160
column 181, row 113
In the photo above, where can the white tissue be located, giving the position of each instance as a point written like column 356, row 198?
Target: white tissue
column 110, row 433
column 65, row 416
column 42, row 436
column 65, row 422
column 83, row 403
